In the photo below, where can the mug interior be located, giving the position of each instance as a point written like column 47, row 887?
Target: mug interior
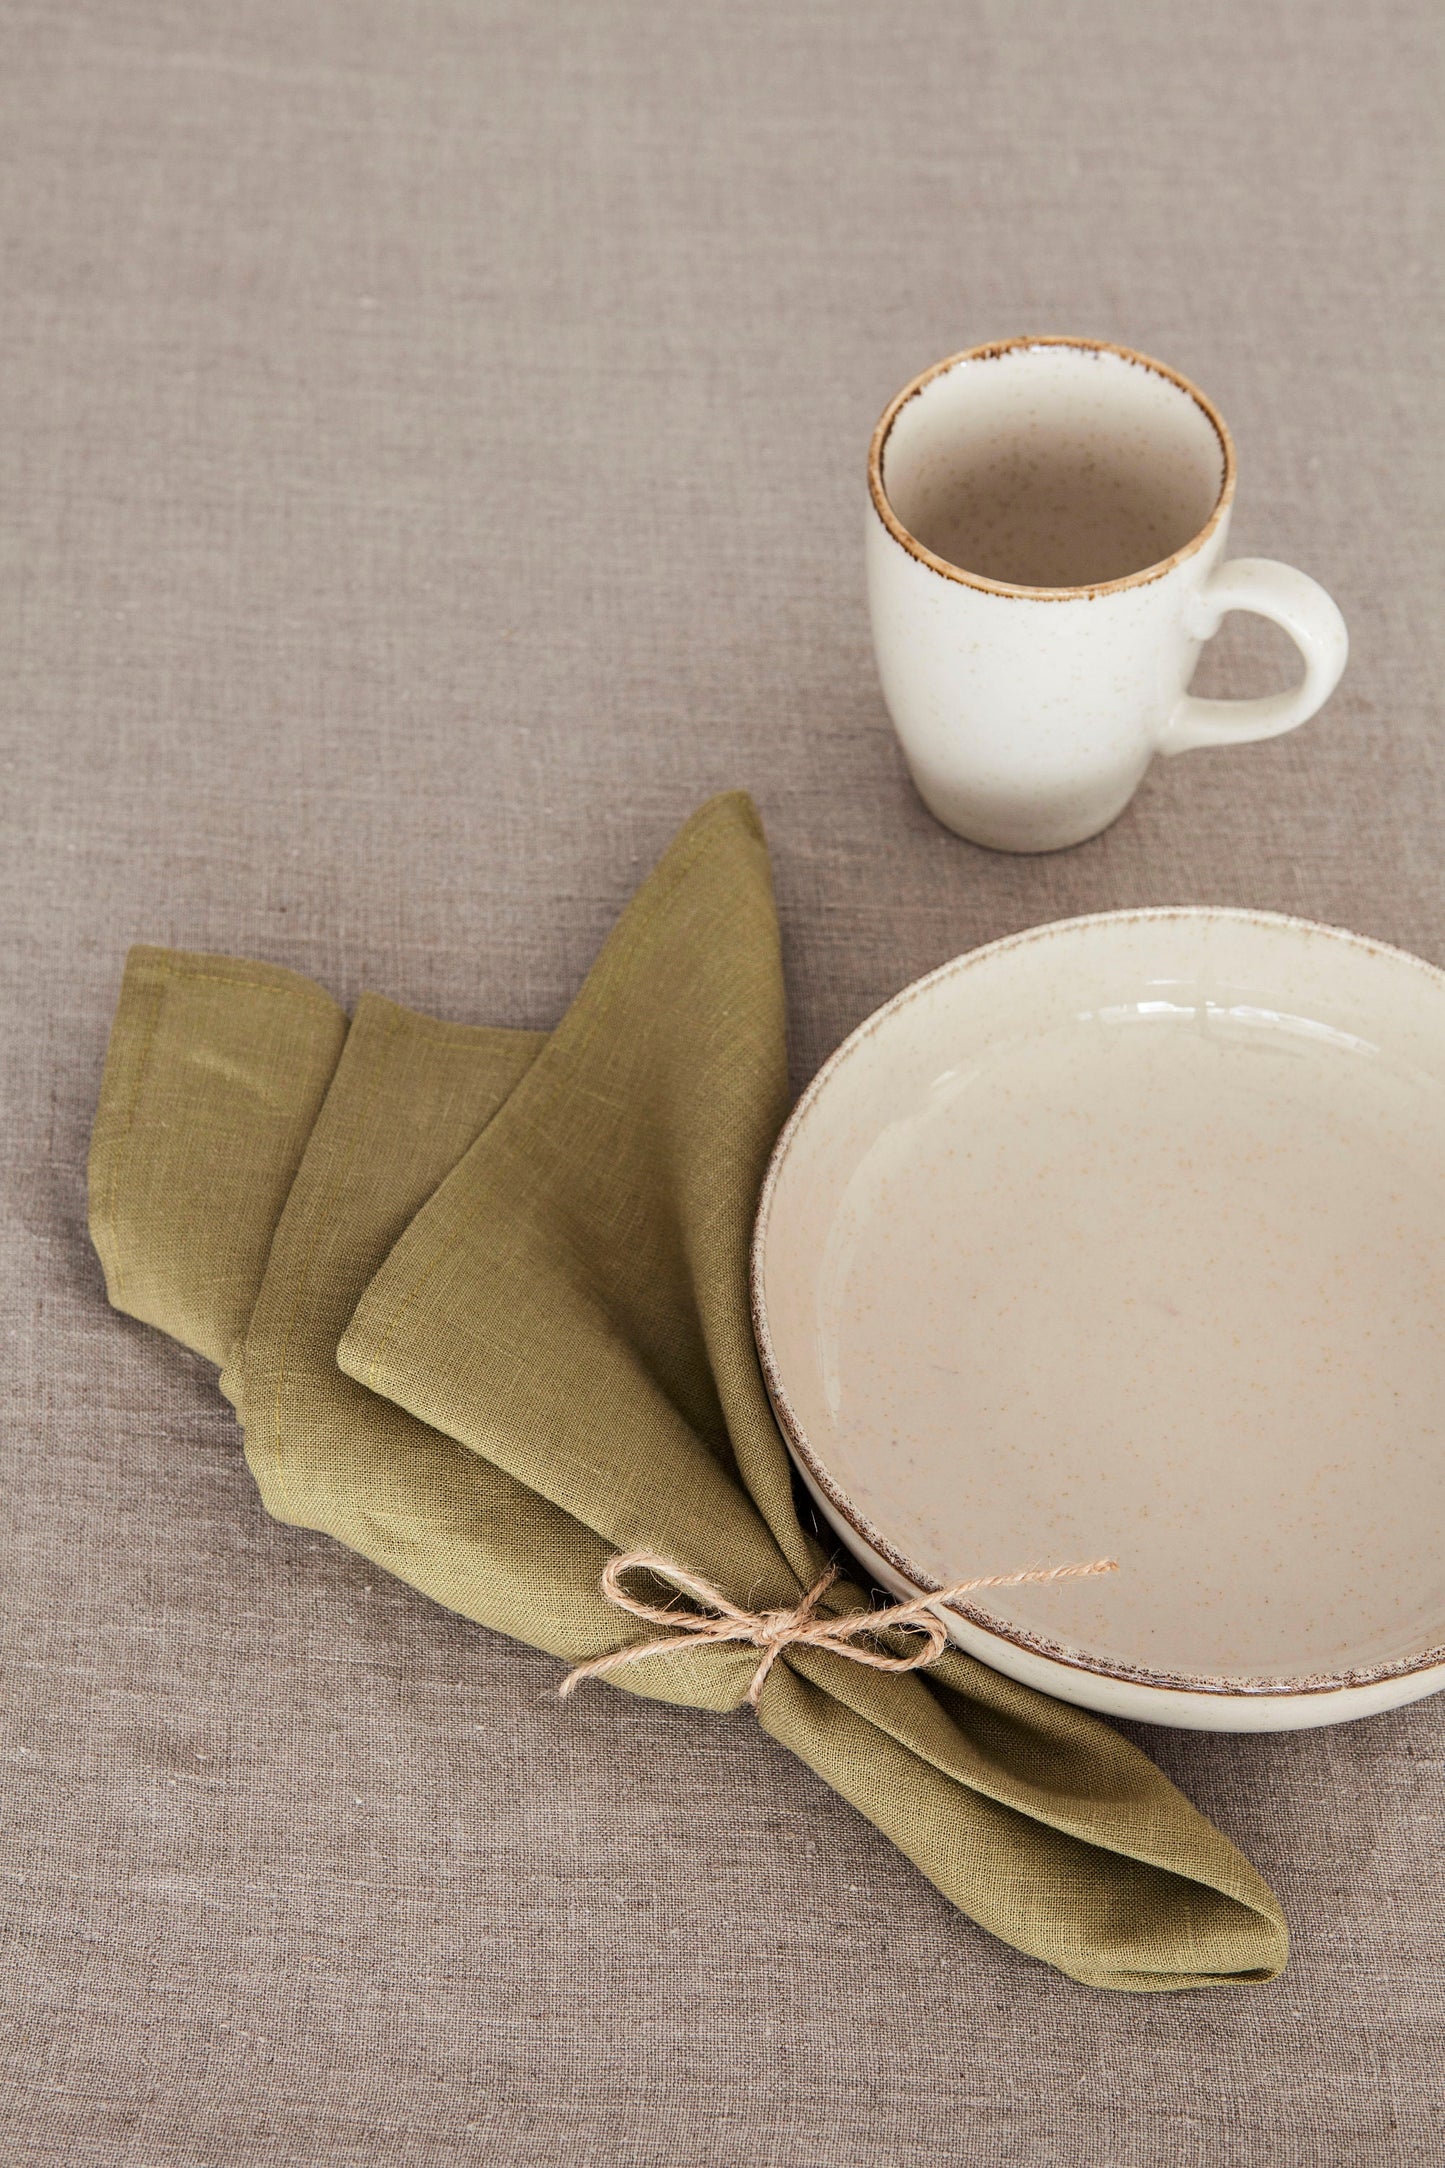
column 1052, row 464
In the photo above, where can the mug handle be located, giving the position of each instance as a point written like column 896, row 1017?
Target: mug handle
column 1300, row 606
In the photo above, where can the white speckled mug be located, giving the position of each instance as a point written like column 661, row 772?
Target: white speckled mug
column 1045, row 559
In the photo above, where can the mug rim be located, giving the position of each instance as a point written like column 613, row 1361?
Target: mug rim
column 993, row 350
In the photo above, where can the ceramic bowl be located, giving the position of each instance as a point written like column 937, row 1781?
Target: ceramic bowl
column 1126, row 1237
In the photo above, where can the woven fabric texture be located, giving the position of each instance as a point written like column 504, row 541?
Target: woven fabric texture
column 570, row 1306
column 432, row 465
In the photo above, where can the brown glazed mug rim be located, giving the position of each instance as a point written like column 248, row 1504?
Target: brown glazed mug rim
column 993, row 352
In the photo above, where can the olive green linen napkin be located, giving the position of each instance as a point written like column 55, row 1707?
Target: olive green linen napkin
column 480, row 1298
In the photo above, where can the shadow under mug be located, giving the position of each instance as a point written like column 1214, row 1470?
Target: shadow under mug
column 1045, row 560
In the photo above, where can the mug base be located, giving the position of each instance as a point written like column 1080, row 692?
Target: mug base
column 1026, row 827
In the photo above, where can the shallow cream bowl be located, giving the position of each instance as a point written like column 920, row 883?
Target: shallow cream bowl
column 1125, row 1237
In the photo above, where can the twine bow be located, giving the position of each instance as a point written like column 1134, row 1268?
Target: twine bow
column 802, row 1625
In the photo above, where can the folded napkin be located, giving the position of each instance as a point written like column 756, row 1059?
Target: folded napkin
column 480, row 1299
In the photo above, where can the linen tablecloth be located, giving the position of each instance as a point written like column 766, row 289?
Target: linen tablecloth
column 433, row 463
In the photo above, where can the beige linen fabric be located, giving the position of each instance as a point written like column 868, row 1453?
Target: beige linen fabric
column 432, row 463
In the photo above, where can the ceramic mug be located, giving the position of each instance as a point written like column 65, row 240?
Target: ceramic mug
column 1045, row 559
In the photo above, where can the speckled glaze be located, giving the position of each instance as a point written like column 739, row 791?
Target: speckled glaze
column 1046, row 539
column 1126, row 1238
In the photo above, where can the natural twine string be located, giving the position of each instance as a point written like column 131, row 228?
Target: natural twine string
column 799, row 1627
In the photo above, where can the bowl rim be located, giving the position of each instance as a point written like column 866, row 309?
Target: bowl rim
column 978, row 1615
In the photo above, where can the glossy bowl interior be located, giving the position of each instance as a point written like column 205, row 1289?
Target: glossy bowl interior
column 1126, row 1237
